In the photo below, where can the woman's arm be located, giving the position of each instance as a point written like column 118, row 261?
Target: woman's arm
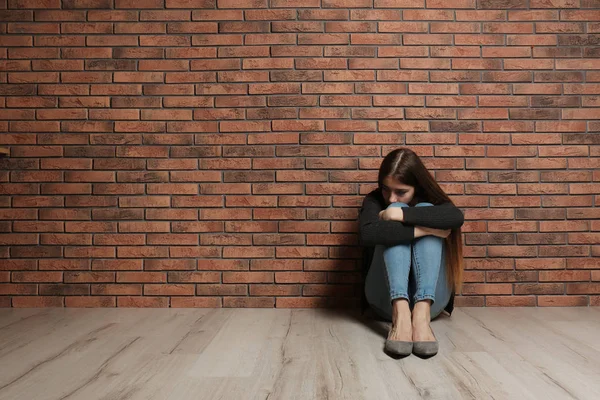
column 374, row 230
column 397, row 214
column 443, row 216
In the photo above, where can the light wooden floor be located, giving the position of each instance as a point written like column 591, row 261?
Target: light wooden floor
column 239, row 354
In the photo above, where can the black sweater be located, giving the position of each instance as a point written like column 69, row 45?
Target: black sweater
column 374, row 231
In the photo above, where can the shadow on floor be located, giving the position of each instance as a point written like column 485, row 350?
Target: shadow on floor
column 371, row 319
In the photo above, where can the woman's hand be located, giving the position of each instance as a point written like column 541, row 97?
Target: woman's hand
column 426, row 231
column 382, row 215
column 443, row 233
column 391, row 214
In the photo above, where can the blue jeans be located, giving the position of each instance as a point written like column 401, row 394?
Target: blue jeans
column 414, row 271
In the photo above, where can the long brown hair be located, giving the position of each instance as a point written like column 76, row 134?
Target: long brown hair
column 405, row 166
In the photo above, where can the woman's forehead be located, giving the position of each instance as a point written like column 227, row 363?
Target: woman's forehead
column 393, row 183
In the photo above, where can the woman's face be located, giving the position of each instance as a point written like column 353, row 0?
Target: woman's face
column 395, row 191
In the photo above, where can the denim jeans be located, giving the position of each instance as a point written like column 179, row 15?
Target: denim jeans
column 414, row 271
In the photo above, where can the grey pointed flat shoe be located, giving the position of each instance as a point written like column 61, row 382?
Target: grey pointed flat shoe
column 426, row 349
column 398, row 348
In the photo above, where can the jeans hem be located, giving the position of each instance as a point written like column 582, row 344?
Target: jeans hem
column 421, row 297
column 399, row 296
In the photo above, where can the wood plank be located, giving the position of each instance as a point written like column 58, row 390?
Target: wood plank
column 500, row 353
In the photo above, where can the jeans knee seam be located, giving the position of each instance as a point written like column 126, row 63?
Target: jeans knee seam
column 417, row 269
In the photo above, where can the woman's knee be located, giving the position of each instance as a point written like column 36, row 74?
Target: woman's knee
column 423, row 204
column 401, row 204
column 398, row 204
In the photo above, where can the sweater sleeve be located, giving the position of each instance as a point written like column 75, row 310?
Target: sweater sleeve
column 374, row 231
column 443, row 216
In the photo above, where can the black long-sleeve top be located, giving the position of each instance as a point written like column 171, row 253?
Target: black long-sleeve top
column 374, row 231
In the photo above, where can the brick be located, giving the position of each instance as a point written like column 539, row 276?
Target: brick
column 37, row 302
column 454, row 4
column 89, row 277
column 87, row 4
column 416, row 101
column 539, row 288
column 427, row 15
column 90, row 301
column 564, row 275
column 146, row 302
column 37, row 276
column 427, row 39
column 562, row 301
column 583, row 288
column 300, row 27
column 323, row 14
column 29, row 4
column 354, row 26
column 190, row 3
column 510, row 301
column 168, row 15
column 203, row 302
column 501, row 4
column 554, row 4
column 64, row 289
column 487, row 289
column 116, row 289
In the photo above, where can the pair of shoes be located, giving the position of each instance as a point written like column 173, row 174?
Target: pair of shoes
column 398, row 348
column 426, row 349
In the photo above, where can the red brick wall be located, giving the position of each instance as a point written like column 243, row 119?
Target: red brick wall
column 214, row 153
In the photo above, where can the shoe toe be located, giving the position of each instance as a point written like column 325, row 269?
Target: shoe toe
column 425, row 349
column 398, row 347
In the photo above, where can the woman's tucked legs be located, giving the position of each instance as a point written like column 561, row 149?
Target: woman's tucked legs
column 415, row 277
